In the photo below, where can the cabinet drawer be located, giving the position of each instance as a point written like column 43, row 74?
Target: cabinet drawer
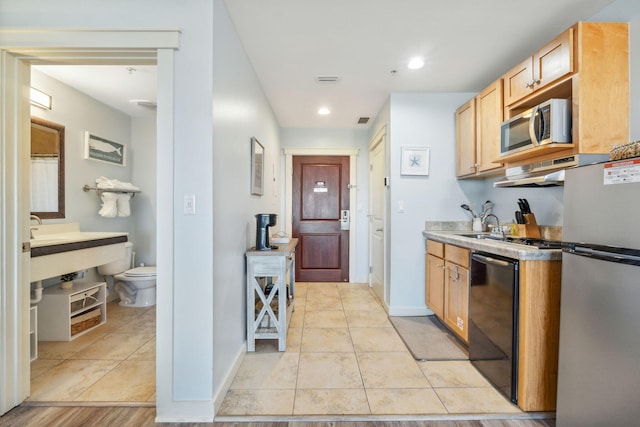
column 435, row 248
column 457, row 255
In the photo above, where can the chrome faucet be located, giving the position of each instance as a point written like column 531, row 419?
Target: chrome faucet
column 497, row 230
column 37, row 218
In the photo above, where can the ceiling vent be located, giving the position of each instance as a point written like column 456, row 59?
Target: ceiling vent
column 327, row 79
column 363, row 120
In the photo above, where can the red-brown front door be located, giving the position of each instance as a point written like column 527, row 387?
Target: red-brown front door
column 320, row 194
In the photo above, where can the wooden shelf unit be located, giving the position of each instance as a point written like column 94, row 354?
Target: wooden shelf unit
column 62, row 310
column 266, row 320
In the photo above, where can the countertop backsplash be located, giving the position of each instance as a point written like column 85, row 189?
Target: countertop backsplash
column 550, row 232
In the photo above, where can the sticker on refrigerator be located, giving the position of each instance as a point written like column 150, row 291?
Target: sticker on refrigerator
column 622, row 172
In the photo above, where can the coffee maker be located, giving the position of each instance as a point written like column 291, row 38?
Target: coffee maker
column 263, row 222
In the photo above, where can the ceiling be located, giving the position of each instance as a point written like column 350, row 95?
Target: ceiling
column 465, row 44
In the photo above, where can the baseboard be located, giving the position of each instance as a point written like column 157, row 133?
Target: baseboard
column 183, row 412
column 220, row 394
column 409, row 311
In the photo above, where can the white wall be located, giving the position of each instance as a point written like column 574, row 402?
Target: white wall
column 185, row 350
column 421, row 120
column 78, row 113
column 240, row 111
column 143, row 175
column 343, row 138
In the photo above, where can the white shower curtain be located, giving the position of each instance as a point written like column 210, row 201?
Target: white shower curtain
column 44, row 184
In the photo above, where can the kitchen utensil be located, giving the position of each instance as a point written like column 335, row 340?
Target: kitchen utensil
column 524, row 206
column 467, row 208
column 519, row 217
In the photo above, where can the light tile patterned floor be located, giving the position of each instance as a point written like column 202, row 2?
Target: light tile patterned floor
column 345, row 358
column 115, row 362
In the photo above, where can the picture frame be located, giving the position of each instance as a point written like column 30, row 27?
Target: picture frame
column 257, row 167
column 414, row 161
column 103, row 150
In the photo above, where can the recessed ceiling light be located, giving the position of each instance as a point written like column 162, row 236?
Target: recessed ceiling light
column 324, row 111
column 416, row 63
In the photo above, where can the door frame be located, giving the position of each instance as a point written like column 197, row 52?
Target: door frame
column 18, row 49
column 288, row 184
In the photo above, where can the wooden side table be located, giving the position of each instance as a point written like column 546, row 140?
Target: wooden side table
column 270, row 299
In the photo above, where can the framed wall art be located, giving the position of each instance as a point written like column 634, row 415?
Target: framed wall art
column 415, row 161
column 257, row 167
column 103, row 150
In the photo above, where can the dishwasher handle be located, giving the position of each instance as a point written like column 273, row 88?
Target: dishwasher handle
column 490, row 260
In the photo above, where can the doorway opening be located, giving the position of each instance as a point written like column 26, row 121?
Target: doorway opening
column 114, row 361
column 14, row 281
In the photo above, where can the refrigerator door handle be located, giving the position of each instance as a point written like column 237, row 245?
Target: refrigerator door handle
column 604, row 256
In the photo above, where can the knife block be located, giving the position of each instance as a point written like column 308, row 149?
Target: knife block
column 529, row 228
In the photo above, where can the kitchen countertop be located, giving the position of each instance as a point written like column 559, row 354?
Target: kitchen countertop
column 506, row 249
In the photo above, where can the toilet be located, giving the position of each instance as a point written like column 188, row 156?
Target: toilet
column 136, row 287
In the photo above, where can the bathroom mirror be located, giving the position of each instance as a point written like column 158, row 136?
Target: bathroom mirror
column 47, row 169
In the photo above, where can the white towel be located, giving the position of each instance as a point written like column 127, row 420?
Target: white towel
column 109, row 208
column 123, row 204
column 103, row 182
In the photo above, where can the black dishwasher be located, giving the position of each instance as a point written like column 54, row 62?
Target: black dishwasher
column 493, row 320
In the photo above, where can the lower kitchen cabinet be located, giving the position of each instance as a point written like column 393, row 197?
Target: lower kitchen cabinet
column 447, row 285
column 456, row 299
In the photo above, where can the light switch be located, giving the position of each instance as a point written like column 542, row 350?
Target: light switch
column 189, row 204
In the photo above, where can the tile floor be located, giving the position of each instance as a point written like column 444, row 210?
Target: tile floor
column 345, row 358
column 115, row 362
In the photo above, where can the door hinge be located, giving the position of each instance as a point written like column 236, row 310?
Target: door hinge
column 26, row 246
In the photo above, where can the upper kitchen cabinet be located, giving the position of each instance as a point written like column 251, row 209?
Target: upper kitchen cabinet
column 466, row 139
column 550, row 63
column 488, row 119
column 478, row 133
column 588, row 64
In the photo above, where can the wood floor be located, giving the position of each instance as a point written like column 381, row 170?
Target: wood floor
column 66, row 416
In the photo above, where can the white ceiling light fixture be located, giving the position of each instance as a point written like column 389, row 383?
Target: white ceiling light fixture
column 324, row 111
column 144, row 103
column 416, row 63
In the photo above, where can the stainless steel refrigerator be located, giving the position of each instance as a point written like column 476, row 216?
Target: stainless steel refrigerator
column 599, row 360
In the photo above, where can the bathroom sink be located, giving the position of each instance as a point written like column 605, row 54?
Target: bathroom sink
column 57, row 249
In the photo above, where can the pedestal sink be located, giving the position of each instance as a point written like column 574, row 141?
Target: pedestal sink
column 57, row 249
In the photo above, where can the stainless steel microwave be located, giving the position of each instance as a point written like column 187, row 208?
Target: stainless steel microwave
column 546, row 123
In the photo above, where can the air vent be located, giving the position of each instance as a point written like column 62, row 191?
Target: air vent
column 327, row 79
column 363, row 120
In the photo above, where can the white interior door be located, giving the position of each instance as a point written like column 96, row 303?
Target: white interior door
column 376, row 217
column 14, row 230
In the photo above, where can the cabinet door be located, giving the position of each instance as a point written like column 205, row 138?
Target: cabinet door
column 466, row 139
column 554, row 60
column 488, row 117
column 518, row 82
column 456, row 300
column 434, row 291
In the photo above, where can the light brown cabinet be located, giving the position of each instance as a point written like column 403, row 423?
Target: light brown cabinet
column 588, row 64
column 489, row 115
column 456, row 300
column 447, row 285
column 550, row 63
column 478, row 133
column 466, row 139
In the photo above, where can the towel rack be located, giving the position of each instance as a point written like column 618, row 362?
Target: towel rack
column 87, row 188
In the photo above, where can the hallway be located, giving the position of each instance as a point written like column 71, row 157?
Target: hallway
column 345, row 358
